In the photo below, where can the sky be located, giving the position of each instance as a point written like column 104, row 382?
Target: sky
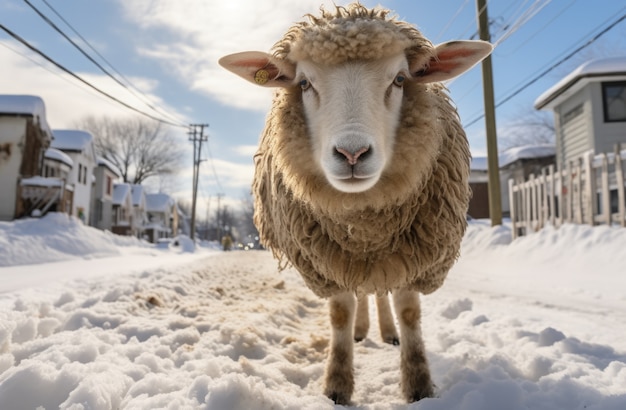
column 91, row 320
column 168, row 50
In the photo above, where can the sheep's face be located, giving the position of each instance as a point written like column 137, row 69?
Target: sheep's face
column 352, row 111
column 352, row 108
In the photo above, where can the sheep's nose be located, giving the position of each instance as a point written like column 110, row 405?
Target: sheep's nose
column 352, row 157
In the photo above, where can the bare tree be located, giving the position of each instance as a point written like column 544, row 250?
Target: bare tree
column 531, row 127
column 140, row 148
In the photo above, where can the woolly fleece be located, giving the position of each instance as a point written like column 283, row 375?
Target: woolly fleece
column 403, row 232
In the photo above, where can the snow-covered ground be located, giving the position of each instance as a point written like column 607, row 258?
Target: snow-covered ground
column 89, row 320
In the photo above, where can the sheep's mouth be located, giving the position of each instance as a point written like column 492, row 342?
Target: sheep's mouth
column 354, row 183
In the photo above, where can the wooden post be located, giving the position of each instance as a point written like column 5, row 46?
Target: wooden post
column 606, row 194
column 493, row 168
column 532, row 198
column 513, row 208
column 590, row 189
column 551, row 196
column 619, row 179
column 569, row 186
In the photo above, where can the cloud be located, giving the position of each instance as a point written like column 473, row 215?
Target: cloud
column 247, row 151
column 199, row 33
column 66, row 99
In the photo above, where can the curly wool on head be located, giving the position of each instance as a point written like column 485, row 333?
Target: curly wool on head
column 403, row 232
column 349, row 33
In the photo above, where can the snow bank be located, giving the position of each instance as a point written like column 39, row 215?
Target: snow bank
column 57, row 237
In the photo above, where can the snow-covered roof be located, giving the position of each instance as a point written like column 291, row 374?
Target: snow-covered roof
column 71, row 140
column 514, row 154
column 108, row 164
column 57, row 155
column 25, row 105
column 158, row 202
column 138, row 195
column 526, row 152
column 605, row 67
column 120, row 193
column 41, row 181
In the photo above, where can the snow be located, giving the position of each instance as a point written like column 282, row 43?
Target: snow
column 158, row 202
column 120, row 193
column 513, row 154
column 42, row 181
column 108, row 164
column 597, row 67
column 28, row 105
column 58, row 155
column 90, row 320
column 71, row 140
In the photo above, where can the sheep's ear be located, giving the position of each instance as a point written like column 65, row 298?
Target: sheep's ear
column 452, row 59
column 260, row 68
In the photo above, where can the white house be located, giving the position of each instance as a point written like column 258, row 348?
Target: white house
column 58, row 165
column 79, row 146
column 105, row 174
column 122, row 209
column 140, row 216
column 24, row 137
column 162, row 217
column 589, row 108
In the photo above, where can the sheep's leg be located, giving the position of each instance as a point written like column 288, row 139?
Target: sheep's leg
column 362, row 322
column 339, row 373
column 415, row 376
column 385, row 320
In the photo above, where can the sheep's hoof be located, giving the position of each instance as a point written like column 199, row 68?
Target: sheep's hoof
column 358, row 339
column 339, row 398
column 392, row 341
column 429, row 391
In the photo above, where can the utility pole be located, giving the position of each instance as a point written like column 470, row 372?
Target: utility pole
column 196, row 135
column 493, row 167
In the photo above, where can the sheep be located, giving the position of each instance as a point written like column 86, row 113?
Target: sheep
column 361, row 175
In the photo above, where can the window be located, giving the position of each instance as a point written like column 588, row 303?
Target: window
column 614, row 101
column 109, row 185
column 80, row 172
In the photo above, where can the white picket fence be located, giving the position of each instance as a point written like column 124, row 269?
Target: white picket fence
column 588, row 191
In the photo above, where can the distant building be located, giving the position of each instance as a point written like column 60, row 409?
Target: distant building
column 139, row 212
column 24, row 138
column 162, row 217
column 105, row 175
column 515, row 163
column 78, row 145
column 589, row 108
column 122, row 210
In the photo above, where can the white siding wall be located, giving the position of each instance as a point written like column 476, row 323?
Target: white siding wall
column 575, row 130
column 12, row 131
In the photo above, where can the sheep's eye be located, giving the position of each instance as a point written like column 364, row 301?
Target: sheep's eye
column 399, row 80
column 305, row 84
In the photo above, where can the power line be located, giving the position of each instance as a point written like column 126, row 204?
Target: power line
column 552, row 67
column 447, row 26
column 87, row 83
column 104, row 70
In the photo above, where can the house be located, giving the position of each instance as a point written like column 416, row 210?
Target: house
column 162, row 217
column 58, row 165
column 24, row 138
column 516, row 163
column 139, row 213
column 589, row 108
column 122, row 210
column 78, row 145
column 105, row 175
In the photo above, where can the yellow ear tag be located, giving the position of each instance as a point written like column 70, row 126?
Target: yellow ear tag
column 261, row 76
